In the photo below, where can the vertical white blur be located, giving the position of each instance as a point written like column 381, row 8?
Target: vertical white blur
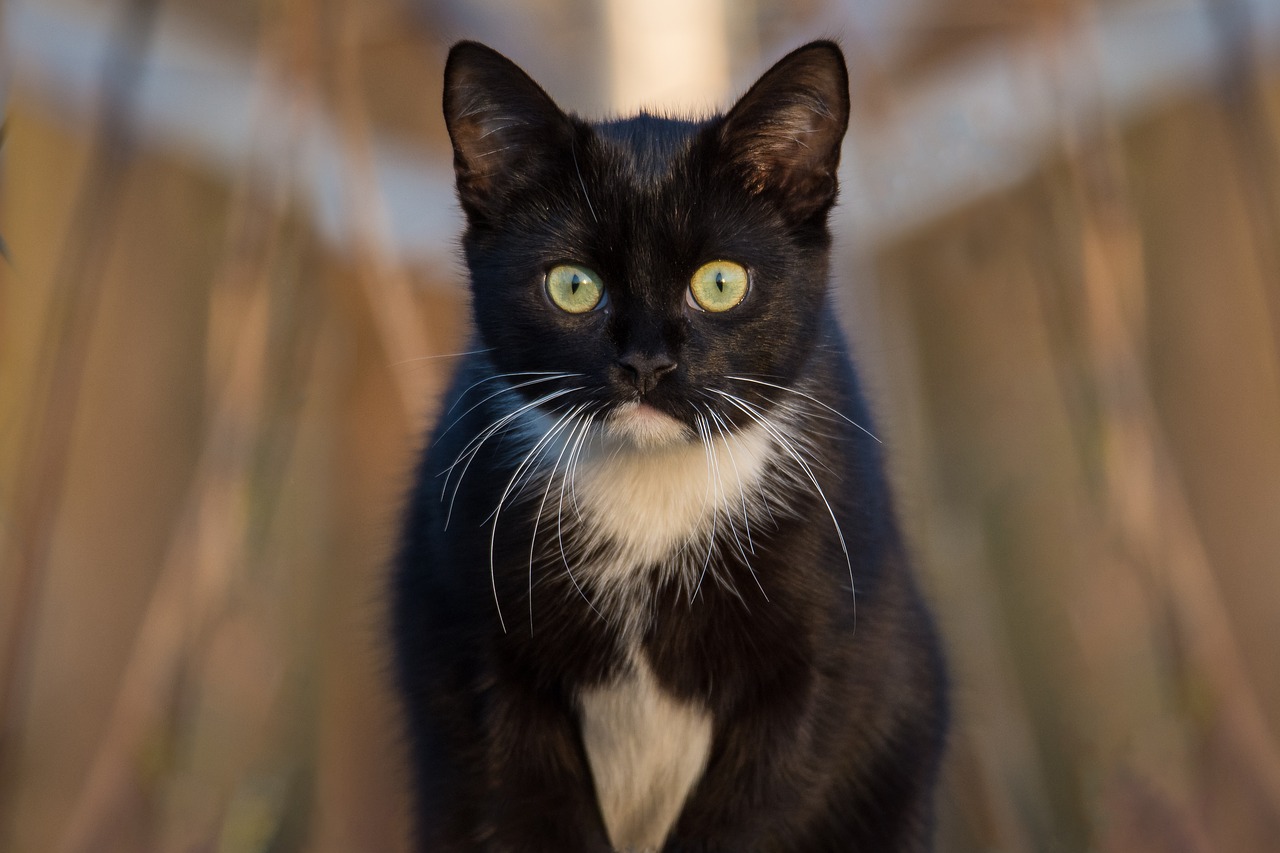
column 668, row 53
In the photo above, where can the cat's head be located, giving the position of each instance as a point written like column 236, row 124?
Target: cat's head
column 647, row 262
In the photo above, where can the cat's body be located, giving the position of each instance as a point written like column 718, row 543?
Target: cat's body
column 624, row 611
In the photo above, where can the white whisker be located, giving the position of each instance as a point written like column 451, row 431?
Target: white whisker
column 440, row 355
column 542, row 442
column 728, row 438
column 573, row 471
column 568, row 476
column 789, row 448
column 574, row 152
column 724, row 580
column 700, row 422
column 808, row 397
column 537, row 517
column 549, row 377
column 713, row 421
column 472, row 448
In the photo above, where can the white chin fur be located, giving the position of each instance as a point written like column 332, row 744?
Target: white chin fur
column 649, row 503
column 645, row 426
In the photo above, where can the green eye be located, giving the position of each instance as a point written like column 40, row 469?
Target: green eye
column 719, row 285
column 573, row 288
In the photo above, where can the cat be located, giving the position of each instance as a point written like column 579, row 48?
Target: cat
column 651, row 593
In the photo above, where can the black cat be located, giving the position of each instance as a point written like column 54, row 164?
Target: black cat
column 651, row 593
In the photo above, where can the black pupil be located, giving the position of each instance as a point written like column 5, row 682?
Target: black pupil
column 720, row 281
column 575, row 284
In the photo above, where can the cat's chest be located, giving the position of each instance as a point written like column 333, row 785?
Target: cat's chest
column 645, row 507
column 640, row 510
column 647, row 750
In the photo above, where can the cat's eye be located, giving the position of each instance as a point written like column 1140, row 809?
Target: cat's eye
column 718, row 286
column 573, row 288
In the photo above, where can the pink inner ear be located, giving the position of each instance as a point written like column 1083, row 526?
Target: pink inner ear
column 785, row 133
column 796, row 156
column 487, row 134
column 803, row 135
column 496, row 114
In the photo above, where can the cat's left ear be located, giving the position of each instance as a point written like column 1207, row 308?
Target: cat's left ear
column 784, row 134
column 500, row 122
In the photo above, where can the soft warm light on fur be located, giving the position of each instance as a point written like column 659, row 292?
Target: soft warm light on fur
column 645, row 426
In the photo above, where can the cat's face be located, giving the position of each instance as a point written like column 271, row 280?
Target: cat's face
column 649, row 270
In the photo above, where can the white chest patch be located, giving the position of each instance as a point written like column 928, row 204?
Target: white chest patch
column 646, row 750
column 647, row 503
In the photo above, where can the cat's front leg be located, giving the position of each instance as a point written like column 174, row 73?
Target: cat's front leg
column 541, row 798
column 782, row 779
column 792, row 794
column 754, row 785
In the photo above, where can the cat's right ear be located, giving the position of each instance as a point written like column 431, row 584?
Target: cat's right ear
column 499, row 121
column 784, row 135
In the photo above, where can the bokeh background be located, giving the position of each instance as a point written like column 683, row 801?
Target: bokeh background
column 230, row 293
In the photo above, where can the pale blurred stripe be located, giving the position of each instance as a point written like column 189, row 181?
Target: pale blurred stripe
column 977, row 125
column 668, row 55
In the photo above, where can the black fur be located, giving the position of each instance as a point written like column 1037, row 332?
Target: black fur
column 828, row 718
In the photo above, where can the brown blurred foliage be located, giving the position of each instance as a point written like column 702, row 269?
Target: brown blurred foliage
column 208, row 410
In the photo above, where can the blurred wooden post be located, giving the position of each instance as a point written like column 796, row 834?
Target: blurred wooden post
column 76, row 290
column 671, row 55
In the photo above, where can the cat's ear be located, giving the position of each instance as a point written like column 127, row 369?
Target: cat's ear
column 783, row 136
column 499, row 120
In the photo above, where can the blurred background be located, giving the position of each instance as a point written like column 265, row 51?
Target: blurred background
column 230, row 294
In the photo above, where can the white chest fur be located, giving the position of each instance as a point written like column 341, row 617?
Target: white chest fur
column 655, row 507
column 638, row 506
column 648, row 503
column 646, row 750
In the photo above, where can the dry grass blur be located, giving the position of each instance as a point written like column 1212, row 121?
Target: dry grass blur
column 208, row 408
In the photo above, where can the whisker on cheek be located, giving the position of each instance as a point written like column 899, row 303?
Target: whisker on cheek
column 797, row 455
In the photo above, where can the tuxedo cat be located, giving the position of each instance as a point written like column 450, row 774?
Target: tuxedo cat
column 651, row 594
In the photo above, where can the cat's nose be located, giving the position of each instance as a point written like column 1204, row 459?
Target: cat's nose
column 644, row 371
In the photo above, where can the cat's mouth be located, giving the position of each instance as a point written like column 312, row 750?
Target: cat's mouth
column 644, row 425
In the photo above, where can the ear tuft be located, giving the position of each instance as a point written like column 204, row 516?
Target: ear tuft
column 783, row 136
column 499, row 120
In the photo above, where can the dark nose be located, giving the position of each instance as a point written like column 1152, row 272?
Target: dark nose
column 644, row 371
